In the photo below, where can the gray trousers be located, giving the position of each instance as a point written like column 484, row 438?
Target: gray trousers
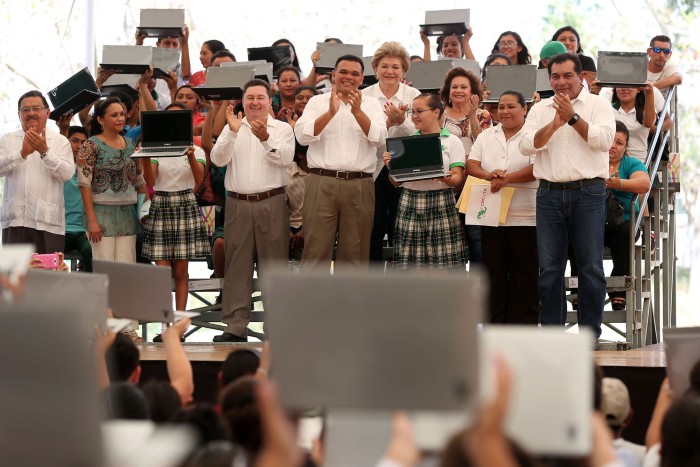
column 255, row 231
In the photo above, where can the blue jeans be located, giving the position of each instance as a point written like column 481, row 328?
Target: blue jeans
column 577, row 216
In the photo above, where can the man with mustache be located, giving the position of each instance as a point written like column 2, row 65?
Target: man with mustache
column 35, row 163
column 570, row 135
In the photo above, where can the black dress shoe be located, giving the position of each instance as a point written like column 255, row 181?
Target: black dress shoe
column 229, row 337
column 159, row 338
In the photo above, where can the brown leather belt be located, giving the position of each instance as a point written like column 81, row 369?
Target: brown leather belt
column 340, row 174
column 257, row 196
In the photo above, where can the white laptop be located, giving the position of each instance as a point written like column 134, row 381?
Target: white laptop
column 446, row 22
column 682, row 353
column 499, row 79
column 262, row 69
column 428, row 76
column 469, row 65
column 370, row 335
column 552, row 395
column 331, row 52
column 225, row 82
column 543, row 83
column 161, row 22
column 126, row 59
column 164, row 60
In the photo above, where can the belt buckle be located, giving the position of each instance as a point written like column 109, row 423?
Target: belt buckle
column 338, row 172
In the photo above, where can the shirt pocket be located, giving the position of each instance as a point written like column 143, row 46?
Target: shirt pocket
column 48, row 213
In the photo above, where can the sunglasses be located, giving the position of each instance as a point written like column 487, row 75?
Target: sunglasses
column 657, row 50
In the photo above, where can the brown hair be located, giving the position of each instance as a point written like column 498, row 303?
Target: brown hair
column 474, row 84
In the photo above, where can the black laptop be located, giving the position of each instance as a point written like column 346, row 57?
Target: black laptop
column 416, row 157
column 165, row 133
column 161, row 22
column 74, row 94
column 280, row 57
column 622, row 69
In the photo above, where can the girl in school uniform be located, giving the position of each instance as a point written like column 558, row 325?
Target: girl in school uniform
column 427, row 232
column 174, row 232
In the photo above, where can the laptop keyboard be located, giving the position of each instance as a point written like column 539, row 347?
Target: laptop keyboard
column 159, row 150
column 428, row 174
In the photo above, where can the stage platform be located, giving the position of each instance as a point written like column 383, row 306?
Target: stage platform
column 641, row 369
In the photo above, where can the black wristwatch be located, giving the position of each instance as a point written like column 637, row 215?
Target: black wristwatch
column 574, row 119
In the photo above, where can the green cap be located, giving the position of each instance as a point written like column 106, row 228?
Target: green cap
column 551, row 49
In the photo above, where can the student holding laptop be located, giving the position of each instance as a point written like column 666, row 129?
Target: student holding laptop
column 428, row 233
column 174, row 232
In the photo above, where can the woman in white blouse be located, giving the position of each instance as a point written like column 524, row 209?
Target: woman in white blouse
column 510, row 250
column 390, row 63
column 427, row 233
column 174, row 232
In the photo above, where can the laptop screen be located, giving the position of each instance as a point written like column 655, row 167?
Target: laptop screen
column 166, row 128
column 414, row 151
column 522, row 78
column 622, row 67
column 80, row 81
column 280, row 57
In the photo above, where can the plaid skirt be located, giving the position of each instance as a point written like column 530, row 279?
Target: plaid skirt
column 175, row 228
column 428, row 233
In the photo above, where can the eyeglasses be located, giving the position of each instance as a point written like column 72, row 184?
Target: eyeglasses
column 657, row 50
column 26, row 110
column 503, row 44
column 418, row 112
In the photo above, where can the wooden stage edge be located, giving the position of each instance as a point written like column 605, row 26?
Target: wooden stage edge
column 652, row 356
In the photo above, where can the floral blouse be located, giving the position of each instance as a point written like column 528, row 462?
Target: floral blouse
column 111, row 173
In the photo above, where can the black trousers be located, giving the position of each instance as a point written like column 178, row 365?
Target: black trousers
column 510, row 257
column 386, row 201
column 44, row 242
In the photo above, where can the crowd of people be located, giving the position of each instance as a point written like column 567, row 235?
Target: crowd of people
column 299, row 167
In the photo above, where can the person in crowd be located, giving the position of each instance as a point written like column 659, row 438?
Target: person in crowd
column 163, row 400
column 659, row 71
column 174, row 233
column 76, row 238
column 242, row 416
column 219, row 123
column 461, row 94
column 618, row 414
column 570, row 134
column 165, row 86
column 637, row 109
column 342, row 129
column 298, row 171
column 390, row 64
column 321, row 82
column 35, row 162
column 257, row 150
column 293, row 58
column 548, row 50
column 511, row 45
column 428, row 233
column 186, row 96
column 510, row 250
column 628, row 177
column 109, row 180
column 288, row 80
column 449, row 45
column 209, row 48
column 588, row 70
column 125, row 401
column 238, row 363
column 568, row 36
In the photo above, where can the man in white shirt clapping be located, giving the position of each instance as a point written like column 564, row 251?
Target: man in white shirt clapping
column 35, row 163
column 570, row 135
column 257, row 150
column 343, row 129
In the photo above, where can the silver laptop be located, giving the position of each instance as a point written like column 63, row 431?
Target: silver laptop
column 165, row 133
column 543, row 83
column 356, row 437
column 499, row 79
column 164, row 60
column 446, row 22
column 331, row 52
column 263, row 69
column 552, row 396
column 428, row 76
column 682, row 353
column 61, row 286
column 225, row 82
column 372, row 340
column 162, row 22
column 48, row 399
column 139, row 291
column 469, row 65
column 417, row 157
column 622, row 69
column 126, row 59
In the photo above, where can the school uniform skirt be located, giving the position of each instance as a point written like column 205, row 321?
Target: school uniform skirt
column 427, row 232
column 175, row 228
